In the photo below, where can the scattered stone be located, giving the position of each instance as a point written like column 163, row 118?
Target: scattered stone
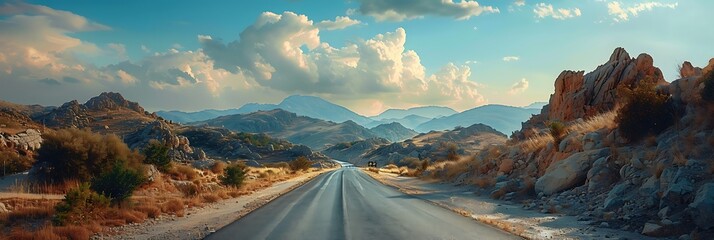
column 702, row 208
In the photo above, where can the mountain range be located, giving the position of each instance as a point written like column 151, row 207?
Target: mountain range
column 420, row 119
column 315, row 133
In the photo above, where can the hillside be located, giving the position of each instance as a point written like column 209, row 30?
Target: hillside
column 426, row 111
column 315, row 133
column 435, row 145
column 505, row 119
column 657, row 184
column 393, row 132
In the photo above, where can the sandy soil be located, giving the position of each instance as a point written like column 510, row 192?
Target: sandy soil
column 199, row 222
column 508, row 216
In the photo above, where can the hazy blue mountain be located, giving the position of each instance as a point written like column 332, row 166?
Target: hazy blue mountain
column 314, row 133
column 308, row 106
column 394, row 132
column 319, row 108
column 411, row 121
column 505, row 119
column 537, row 105
column 427, row 112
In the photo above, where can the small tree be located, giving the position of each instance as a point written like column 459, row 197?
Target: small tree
column 79, row 205
column 646, row 111
column 119, row 183
column 234, row 175
column 157, row 154
column 557, row 130
column 82, row 155
column 300, row 163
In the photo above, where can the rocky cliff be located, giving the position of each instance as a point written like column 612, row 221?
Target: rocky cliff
column 659, row 186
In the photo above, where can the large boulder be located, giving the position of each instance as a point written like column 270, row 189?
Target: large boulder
column 702, row 208
column 569, row 172
column 601, row 175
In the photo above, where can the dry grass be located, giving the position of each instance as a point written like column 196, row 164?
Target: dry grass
column 604, row 120
column 211, row 198
column 52, row 232
column 43, row 188
column 151, row 210
column 483, row 181
column 173, row 206
column 536, row 143
column 183, row 172
column 218, row 167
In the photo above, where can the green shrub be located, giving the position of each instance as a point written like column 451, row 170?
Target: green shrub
column 233, row 175
column 708, row 91
column 82, row 155
column 79, row 205
column 119, row 183
column 557, row 130
column 157, row 154
column 645, row 111
column 300, row 163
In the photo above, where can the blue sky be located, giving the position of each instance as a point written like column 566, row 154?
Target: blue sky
column 371, row 56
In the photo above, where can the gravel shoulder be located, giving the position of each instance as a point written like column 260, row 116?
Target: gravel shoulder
column 199, row 222
column 508, row 216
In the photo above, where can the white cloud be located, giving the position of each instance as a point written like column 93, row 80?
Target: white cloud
column 621, row 13
column 543, row 10
column 519, row 87
column 398, row 10
column 377, row 68
column 519, row 3
column 339, row 23
column 511, row 58
column 278, row 55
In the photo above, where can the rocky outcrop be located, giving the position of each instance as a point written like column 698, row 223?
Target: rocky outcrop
column 581, row 96
column 69, row 115
column 29, row 139
column 112, row 101
column 158, row 130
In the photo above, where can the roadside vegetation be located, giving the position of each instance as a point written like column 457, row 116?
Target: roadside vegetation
column 105, row 184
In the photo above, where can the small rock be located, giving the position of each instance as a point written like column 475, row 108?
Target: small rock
column 604, row 225
column 652, row 229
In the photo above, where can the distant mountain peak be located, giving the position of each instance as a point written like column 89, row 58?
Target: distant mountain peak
column 112, row 101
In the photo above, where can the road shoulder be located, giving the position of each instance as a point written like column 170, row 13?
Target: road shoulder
column 507, row 216
column 199, row 222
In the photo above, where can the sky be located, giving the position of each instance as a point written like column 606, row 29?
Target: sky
column 367, row 55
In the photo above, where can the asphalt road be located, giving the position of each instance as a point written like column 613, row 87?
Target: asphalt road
column 348, row 204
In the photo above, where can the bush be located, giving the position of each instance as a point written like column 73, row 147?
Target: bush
column 557, row 130
column 79, row 205
column 11, row 162
column 300, row 163
column 233, row 175
column 708, row 91
column 282, row 165
column 80, row 154
column 119, row 183
column 157, row 154
column 645, row 111
column 182, row 172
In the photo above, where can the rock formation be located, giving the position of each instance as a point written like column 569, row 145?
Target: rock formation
column 112, row 101
column 69, row 115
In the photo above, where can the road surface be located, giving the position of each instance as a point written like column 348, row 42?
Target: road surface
column 348, row 204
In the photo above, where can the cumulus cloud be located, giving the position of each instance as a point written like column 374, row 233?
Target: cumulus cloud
column 519, row 87
column 340, row 22
column 543, row 10
column 511, row 58
column 519, row 3
column 373, row 68
column 278, row 55
column 399, row 10
column 622, row 14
